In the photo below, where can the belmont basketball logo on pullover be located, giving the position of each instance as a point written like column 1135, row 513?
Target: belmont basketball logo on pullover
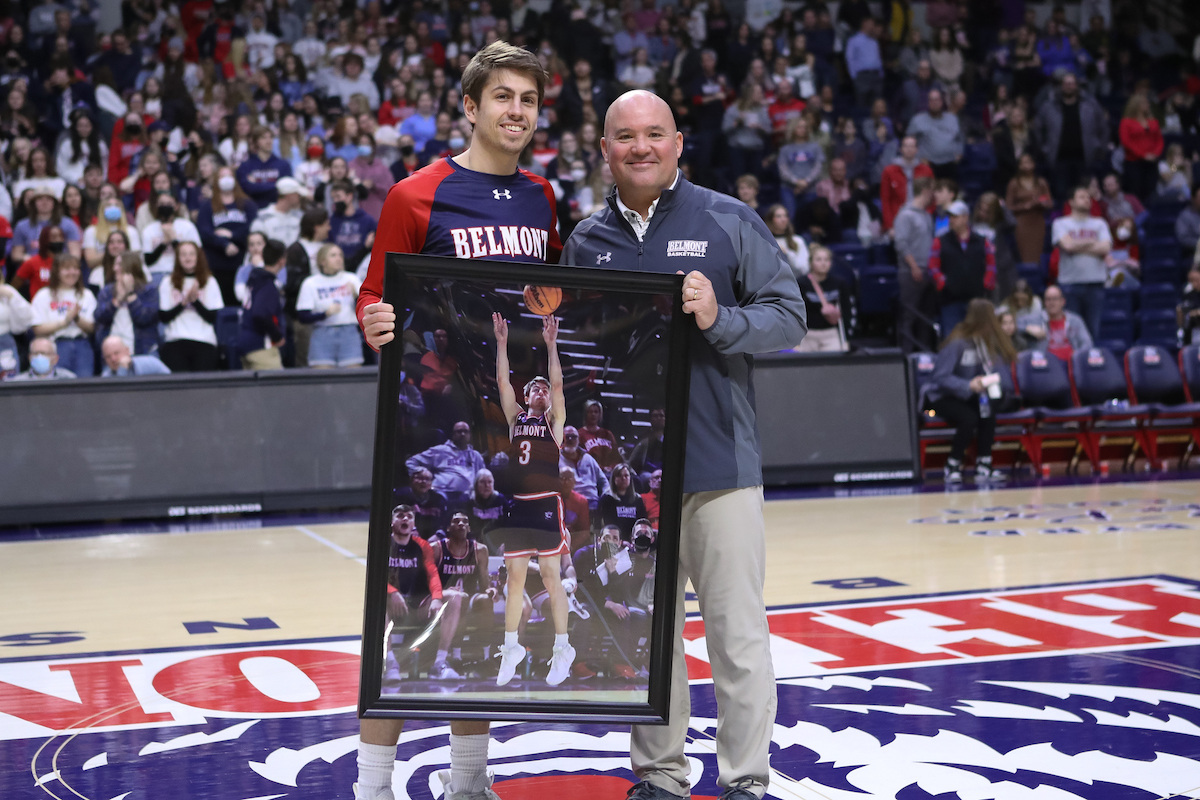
column 437, row 211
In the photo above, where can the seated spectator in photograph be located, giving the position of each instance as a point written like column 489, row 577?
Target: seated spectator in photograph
column 895, row 188
column 596, row 441
column 281, row 220
column 1054, row 329
column 590, row 480
column 484, row 506
column 801, row 161
column 127, row 306
column 1019, row 339
column 188, row 302
column 261, row 332
column 414, row 586
column 1187, row 313
column 429, row 506
column 939, row 137
column 1022, row 301
column 454, row 465
column 43, row 362
column 262, row 169
column 959, row 389
column 326, row 301
column 647, row 456
column 1174, row 176
column 120, row 361
column 462, row 564
column 64, row 311
column 616, row 585
column 576, row 516
column 794, row 249
column 653, row 497
column 350, row 228
column 827, row 301
column 34, row 272
column 622, row 505
column 962, row 266
column 1083, row 242
column 1118, row 204
column 1123, row 262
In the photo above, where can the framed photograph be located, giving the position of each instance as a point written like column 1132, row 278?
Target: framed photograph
column 526, row 494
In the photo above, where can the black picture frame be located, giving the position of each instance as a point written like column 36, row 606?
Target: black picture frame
column 401, row 271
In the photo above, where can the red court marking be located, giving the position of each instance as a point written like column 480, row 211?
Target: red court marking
column 105, row 695
column 568, row 787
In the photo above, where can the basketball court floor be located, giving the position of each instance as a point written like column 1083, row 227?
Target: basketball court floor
column 1037, row 643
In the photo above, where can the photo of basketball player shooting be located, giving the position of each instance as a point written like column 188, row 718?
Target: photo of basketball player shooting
column 533, row 523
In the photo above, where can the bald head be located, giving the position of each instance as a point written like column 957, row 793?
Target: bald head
column 642, row 147
column 638, row 105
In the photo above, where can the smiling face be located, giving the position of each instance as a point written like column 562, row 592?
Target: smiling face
column 641, row 144
column 505, row 116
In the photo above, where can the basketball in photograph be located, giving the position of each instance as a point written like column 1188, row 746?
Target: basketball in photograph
column 542, row 300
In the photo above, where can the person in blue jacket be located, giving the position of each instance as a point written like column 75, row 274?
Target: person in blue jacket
column 350, row 228
column 262, row 168
column 740, row 291
column 127, row 306
column 224, row 225
column 261, row 332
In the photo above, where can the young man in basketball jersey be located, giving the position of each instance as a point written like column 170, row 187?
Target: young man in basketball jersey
column 533, row 524
column 414, row 583
column 462, row 565
column 473, row 205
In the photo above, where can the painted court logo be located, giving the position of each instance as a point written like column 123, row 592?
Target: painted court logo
column 687, row 247
column 1073, row 692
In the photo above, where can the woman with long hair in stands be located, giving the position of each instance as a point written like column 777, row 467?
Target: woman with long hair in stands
column 1142, row 141
column 63, row 310
column 965, row 388
column 188, row 303
column 115, row 246
column 127, row 306
column 621, row 505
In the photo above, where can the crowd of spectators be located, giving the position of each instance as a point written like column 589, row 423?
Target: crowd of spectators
column 197, row 134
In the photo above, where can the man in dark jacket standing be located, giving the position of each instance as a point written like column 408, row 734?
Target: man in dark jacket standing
column 261, row 332
column 1073, row 130
column 744, row 299
column 962, row 265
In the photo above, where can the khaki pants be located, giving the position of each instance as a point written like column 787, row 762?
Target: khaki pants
column 267, row 358
column 301, row 336
column 828, row 340
column 723, row 551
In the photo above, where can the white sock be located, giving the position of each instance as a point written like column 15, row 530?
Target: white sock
column 441, row 657
column 375, row 764
column 560, row 640
column 468, row 762
column 510, row 638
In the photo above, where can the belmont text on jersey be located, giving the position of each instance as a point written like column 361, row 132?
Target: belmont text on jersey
column 532, row 431
column 489, row 241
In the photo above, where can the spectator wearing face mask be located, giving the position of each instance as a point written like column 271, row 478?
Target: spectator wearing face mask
column 350, row 228
column 162, row 236
column 1122, row 262
column 43, row 362
column 372, row 174
column 224, row 224
column 409, row 161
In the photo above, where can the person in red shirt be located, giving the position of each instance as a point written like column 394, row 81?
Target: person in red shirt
column 653, row 498
column 35, row 270
column 598, row 442
column 126, row 144
column 503, row 88
column 787, row 107
column 1142, row 141
column 575, row 509
column 895, row 186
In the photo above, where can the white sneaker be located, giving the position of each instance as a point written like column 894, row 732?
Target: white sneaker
column 485, row 794
column 378, row 794
column 444, row 672
column 510, row 659
column 560, row 664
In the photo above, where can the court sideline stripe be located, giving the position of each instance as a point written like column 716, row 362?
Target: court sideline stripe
column 335, row 547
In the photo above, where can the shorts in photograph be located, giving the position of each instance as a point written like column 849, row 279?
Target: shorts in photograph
column 335, row 346
column 533, row 526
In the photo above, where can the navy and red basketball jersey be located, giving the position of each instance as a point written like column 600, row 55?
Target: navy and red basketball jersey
column 411, row 570
column 533, row 456
column 465, row 569
column 447, row 210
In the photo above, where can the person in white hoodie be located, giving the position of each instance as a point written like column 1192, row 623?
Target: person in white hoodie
column 15, row 317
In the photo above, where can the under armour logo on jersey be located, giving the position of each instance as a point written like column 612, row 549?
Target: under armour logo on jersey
column 602, row 257
column 502, row 194
column 549, row 515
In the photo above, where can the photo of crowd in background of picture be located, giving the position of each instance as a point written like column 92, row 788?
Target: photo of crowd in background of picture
column 457, row 474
